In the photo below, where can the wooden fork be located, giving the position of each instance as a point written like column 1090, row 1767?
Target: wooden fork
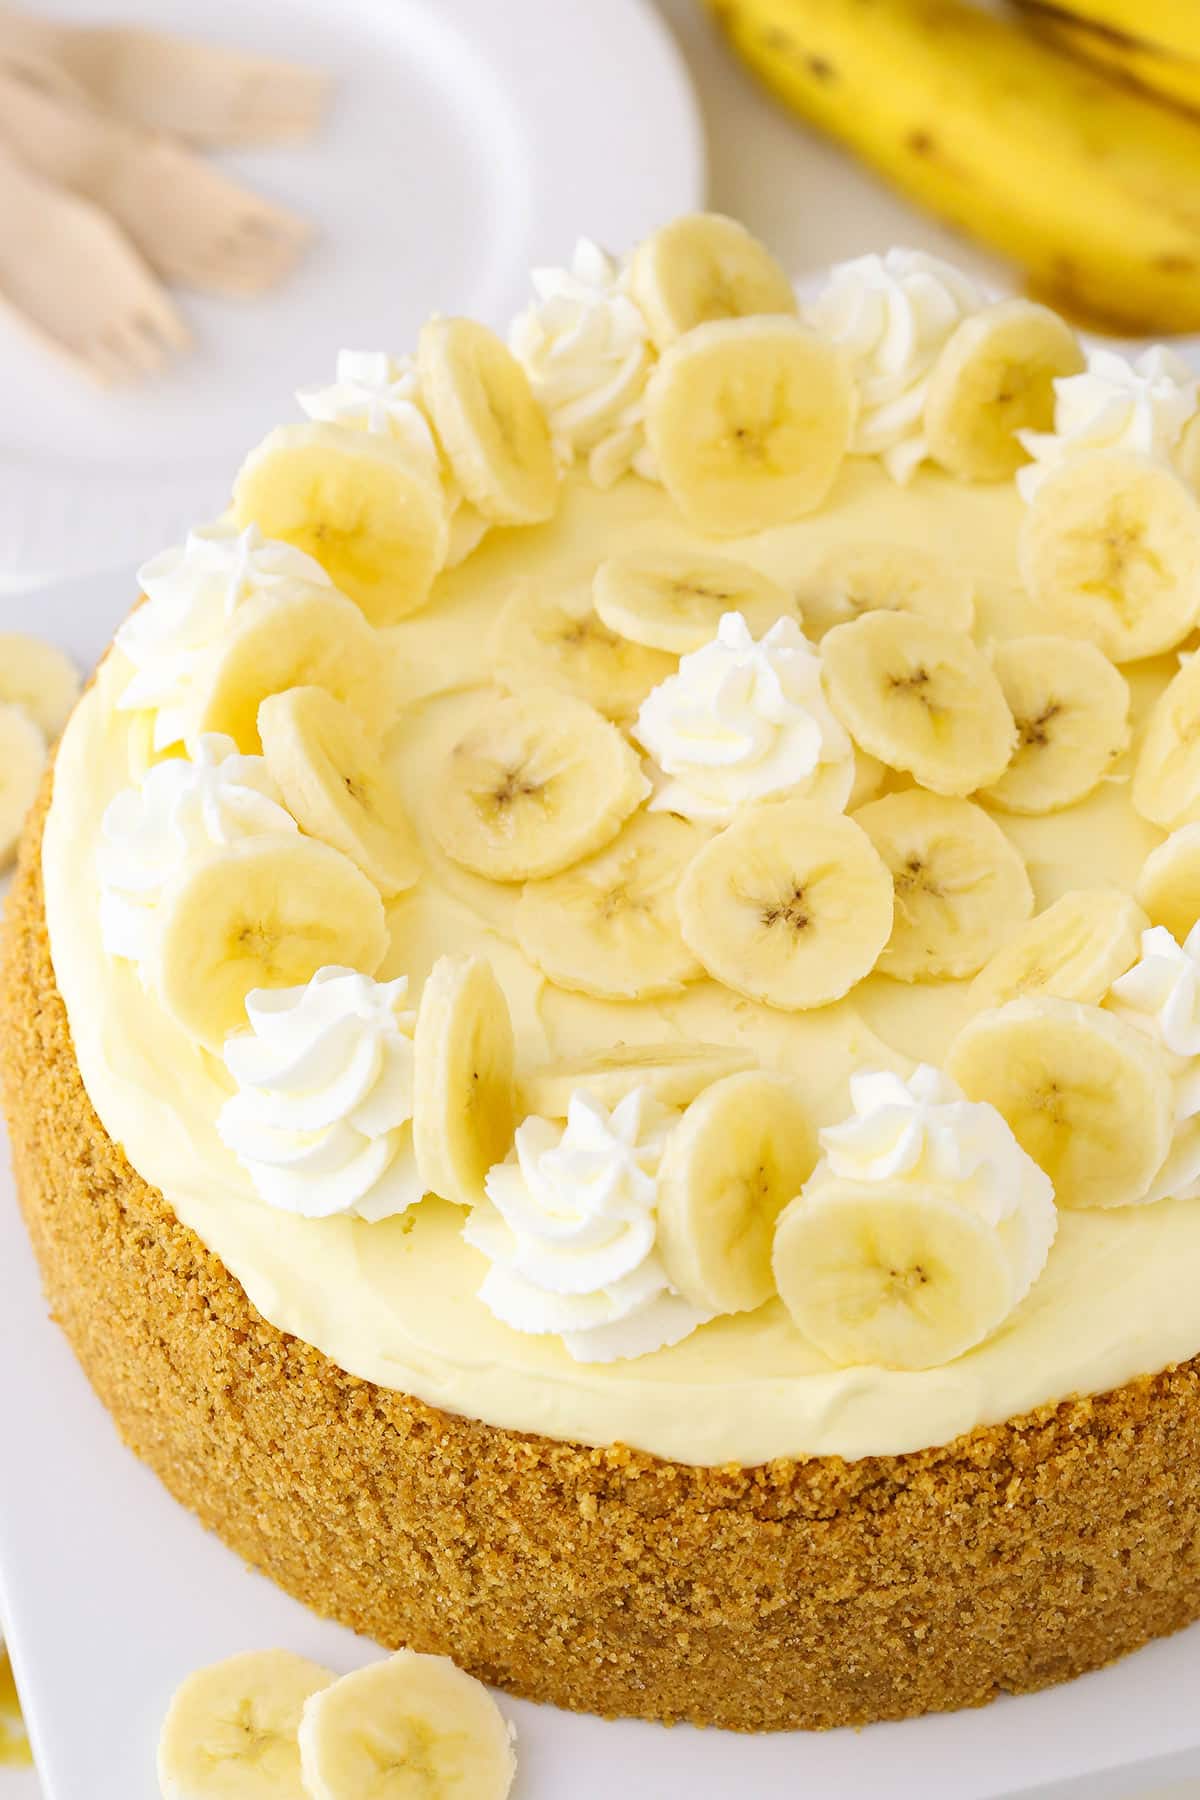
column 163, row 83
column 71, row 274
column 190, row 223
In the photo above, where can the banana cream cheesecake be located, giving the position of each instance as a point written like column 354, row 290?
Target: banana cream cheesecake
column 602, row 1006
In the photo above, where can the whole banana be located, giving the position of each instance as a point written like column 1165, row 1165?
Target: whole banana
column 1092, row 187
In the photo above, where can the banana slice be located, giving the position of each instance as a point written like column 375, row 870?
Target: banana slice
column 1110, row 551
column 609, row 926
column 877, row 1275
column 265, row 912
column 1074, row 950
column 742, row 1151
column 278, row 641
column 748, row 421
column 464, row 1113
column 38, row 677
column 673, row 600
column 334, row 784
column 961, row 886
column 1087, row 1096
column 789, row 905
column 362, row 504
column 674, row 1073
column 703, row 267
column 1072, row 714
column 1166, row 776
column 535, row 783
column 22, row 761
column 410, row 1726
column 1169, row 884
column 489, row 425
column 1187, row 453
column 231, row 1730
column 556, row 638
column 994, row 378
column 921, row 698
column 859, row 578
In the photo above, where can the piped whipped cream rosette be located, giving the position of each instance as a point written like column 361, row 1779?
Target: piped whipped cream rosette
column 922, row 1227
column 1140, row 406
column 1160, row 995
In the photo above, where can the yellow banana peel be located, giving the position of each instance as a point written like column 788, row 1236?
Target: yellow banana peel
column 1169, row 25
column 1176, row 78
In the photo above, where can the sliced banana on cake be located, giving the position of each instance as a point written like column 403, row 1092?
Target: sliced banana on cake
column 609, row 926
column 961, row 884
column 278, row 641
column 701, row 267
column 748, row 421
column 335, row 785
column 362, row 504
column 409, row 1726
column 743, row 1149
column 673, row 1072
column 1110, row 551
column 921, row 698
column 22, row 761
column 464, row 1112
column 1071, row 708
column 231, row 1731
column 1169, row 884
column 673, row 600
column 264, row 912
column 537, row 781
column 994, row 378
column 39, row 678
column 789, row 905
column 1166, row 776
column 554, row 637
column 1074, row 950
column 853, row 579
column 1088, row 1097
column 489, row 425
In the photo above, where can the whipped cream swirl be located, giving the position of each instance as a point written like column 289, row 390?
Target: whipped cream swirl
column 1160, row 996
column 742, row 719
column 892, row 316
column 586, row 350
column 192, row 591
column 1114, row 404
column 181, row 809
column 322, row 1119
column 569, row 1228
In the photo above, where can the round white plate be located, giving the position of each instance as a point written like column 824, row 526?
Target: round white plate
column 466, row 141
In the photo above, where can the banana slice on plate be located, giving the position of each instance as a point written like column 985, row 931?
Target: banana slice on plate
column 853, row 579
column 1072, row 714
column 748, row 421
column 1166, row 776
column 673, row 600
column 674, row 1073
column 609, row 926
column 701, row 267
column 335, row 785
column 489, row 425
column 463, row 1097
column 961, row 884
column 789, row 905
column 1074, row 950
column 409, row 1726
column 921, row 698
column 743, row 1149
column 37, row 676
column 22, row 762
column 279, row 641
column 873, row 1274
column 1110, row 551
column 264, row 912
column 536, row 782
column 553, row 636
column 362, row 504
column 231, row 1731
column 1169, row 884
column 1088, row 1097
column 994, row 378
